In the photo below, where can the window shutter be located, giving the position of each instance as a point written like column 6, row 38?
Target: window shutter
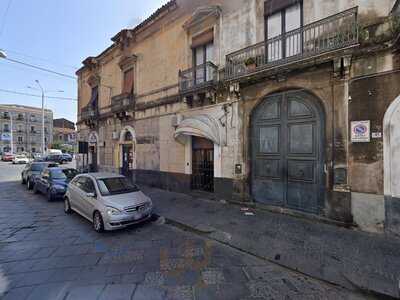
column 128, row 82
column 203, row 38
column 273, row 6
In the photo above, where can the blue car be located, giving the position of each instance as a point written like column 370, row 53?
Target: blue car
column 53, row 182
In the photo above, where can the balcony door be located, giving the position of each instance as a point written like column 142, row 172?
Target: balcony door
column 202, row 55
column 283, row 35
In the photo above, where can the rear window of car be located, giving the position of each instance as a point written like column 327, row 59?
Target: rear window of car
column 38, row 167
column 63, row 173
column 116, row 185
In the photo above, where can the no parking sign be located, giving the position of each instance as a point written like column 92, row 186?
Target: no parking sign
column 361, row 131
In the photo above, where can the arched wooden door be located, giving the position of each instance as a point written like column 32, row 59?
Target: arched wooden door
column 287, row 141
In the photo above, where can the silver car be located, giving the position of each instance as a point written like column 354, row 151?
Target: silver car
column 109, row 201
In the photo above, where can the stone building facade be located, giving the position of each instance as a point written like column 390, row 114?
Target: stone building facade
column 64, row 133
column 21, row 128
column 280, row 103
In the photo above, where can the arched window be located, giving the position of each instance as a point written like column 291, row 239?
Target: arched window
column 128, row 137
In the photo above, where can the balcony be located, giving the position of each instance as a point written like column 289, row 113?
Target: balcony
column 90, row 115
column 334, row 33
column 122, row 104
column 5, row 117
column 20, row 118
column 200, row 77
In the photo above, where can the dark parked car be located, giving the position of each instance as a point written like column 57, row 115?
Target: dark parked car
column 53, row 182
column 67, row 157
column 33, row 170
column 59, row 158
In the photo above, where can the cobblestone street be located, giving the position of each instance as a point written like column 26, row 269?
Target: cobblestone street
column 46, row 254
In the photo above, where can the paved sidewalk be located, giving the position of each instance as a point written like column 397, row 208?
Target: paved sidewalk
column 352, row 259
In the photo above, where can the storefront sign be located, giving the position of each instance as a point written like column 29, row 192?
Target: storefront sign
column 6, row 137
column 360, row 131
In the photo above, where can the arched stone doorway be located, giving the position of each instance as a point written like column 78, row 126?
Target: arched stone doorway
column 203, row 139
column 93, row 155
column 391, row 146
column 127, row 144
column 287, row 151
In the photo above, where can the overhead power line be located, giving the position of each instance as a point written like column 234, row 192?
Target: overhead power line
column 3, row 23
column 38, row 96
column 53, row 62
column 41, row 68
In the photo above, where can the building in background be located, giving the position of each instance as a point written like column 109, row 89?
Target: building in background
column 278, row 102
column 21, row 128
column 64, row 134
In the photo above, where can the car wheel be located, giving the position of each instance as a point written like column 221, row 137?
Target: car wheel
column 29, row 184
column 67, row 206
column 98, row 223
column 35, row 190
column 49, row 195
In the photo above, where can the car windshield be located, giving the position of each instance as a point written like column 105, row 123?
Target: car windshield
column 38, row 167
column 20, row 156
column 63, row 173
column 116, row 185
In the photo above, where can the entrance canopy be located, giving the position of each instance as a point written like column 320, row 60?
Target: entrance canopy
column 201, row 126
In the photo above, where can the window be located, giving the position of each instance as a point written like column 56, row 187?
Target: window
column 20, row 117
column 203, row 52
column 33, row 150
column 20, row 140
column 33, row 118
column 33, row 129
column 116, row 185
column 87, row 185
column 284, row 23
column 95, row 96
column 6, row 128
column 202, row 55
column 6, row 115
column 20, row 128
column 128, row 81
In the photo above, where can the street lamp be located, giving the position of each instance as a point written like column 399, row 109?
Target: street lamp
column 3, row 54
column 43, row 96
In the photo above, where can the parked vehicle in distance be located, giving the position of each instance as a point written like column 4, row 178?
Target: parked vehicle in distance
column 33, row 170
column 67, row 157
column 7, row 157
column 53, row 182
column 20, row 159
column 53, row 151
column 58, row 158
column 109, row 201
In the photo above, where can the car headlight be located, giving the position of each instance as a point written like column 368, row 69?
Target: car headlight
column 112, row 211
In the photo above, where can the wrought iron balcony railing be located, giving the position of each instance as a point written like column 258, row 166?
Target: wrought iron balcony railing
column 89, row 113
column 330, row 34
column 122, row 103
column 198, row 77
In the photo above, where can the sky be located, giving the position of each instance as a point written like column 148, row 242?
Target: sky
column 58, row 35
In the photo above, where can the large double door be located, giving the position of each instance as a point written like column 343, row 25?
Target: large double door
column 287, row 152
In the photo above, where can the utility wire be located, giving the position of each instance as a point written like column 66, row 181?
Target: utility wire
column 3, row 23
column 41, row 59
column 38, row 96
column 42, row 69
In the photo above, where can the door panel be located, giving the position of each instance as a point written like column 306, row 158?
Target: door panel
column 287, row 152
column 203, row 165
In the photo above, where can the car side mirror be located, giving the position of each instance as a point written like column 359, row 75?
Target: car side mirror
column 91, row 195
